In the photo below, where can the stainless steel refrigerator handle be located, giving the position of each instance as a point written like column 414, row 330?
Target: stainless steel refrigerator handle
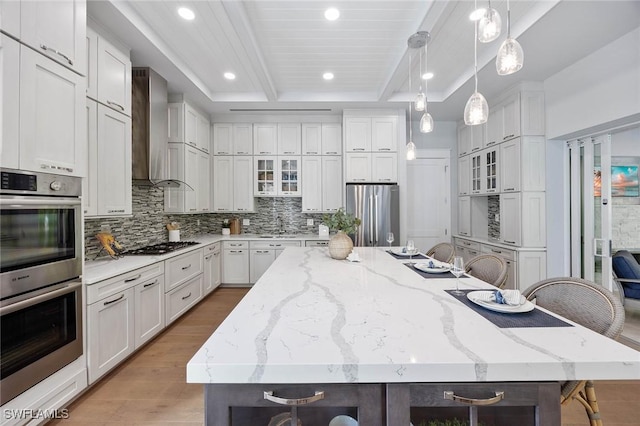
column 370, row 219
column 375, row 208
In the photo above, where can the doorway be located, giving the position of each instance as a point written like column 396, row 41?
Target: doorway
column 428, row 199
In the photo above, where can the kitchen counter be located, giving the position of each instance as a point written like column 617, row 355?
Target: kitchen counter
column 314, row 320
column 105, row 268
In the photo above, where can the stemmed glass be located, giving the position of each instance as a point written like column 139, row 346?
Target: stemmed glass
column 390, row 238
column 458, row 270
column 411, row 250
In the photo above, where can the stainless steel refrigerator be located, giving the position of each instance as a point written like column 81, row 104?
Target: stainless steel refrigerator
column 377, row 206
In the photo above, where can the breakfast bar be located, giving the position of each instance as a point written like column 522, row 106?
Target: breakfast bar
column 316, row 333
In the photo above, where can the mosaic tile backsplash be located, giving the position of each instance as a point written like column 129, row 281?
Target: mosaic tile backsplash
column 147, row 225
column 493, row 207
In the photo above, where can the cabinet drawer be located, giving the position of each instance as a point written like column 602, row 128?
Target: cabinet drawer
column 212, row 248
column 316, row 243
column 122, row 282
column 235, row 244
column 182, row 298
column 468, row 244
column 499, row 251
column 273, row 244
column 182, row 268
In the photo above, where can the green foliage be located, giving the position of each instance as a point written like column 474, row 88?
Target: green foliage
column 341, row 221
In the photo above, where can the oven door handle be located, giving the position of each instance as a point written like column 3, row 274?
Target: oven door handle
column 18, row 202
column 71, row 287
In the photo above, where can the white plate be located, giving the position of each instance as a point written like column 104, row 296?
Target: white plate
column 424, row 267
column 399, row 252
column 475, row 297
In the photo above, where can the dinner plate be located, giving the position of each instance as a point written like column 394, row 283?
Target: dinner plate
column 424, row 267
column 475, row 297
column 399, row 252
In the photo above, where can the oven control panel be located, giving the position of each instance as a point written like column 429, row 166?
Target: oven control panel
column 32, row 183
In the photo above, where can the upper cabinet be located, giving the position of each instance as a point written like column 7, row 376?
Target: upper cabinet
column 190, row 126
column 232, row 139
column 54, row 28
column 277, row 176
column 192, row 166
column 518, row 115
column 265, row 139
column 370, row 134
column 289, row 139
column 383, row 134
column 321, row 139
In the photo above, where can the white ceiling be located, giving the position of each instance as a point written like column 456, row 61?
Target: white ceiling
column 280, row 49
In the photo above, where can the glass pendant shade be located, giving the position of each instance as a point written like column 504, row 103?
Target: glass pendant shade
column 476, row 111
column 421, row 102
column 510, row 57
column 489, row 26
column 426, row 123
column 411, row 151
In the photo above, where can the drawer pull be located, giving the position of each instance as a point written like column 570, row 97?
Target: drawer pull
column 331, row 152
column 509, row 189
column 466, row 243
column 111, row 103
column 115, row 300
column 150, row 284
column 137, row 277
column 496, row 251
column 186, row 267
column 187, row 296
column 472, row 401
column 509, row 242
column 57, row 52
column 268, row 395
column 508, row 136
column 491, row 143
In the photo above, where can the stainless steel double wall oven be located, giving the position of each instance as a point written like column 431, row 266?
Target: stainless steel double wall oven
column 40, row 286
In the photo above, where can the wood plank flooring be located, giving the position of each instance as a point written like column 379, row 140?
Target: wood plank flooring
column 150, row 387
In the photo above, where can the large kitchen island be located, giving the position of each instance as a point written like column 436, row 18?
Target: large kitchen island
column 374, row 339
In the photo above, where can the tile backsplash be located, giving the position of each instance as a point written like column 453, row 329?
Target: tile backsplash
column 147, row 224
column 493, row 207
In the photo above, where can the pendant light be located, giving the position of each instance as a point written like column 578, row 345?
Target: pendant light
column 489, row 25
column 510, row 55
column 411, row 147
column 426, row 122
column 476, row 111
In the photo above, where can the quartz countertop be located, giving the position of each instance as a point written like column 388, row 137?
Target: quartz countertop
column 105, row 268
column 313, row 319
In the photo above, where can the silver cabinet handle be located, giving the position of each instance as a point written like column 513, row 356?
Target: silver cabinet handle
column 375, row 208
column 115, row 211
column 491, row 143
column 268, row 395
column 150, row 284
column 331, row 152
column 51, row 166
column 137, row 277
column 208, row 257
column 496, row 251
column 509, row 189
column 358, row 149
column 115, row 104
column 473, row 401
column 510, row 242
column 187, row 296
column 114, row 301
column 57, row 52
column 186, row 267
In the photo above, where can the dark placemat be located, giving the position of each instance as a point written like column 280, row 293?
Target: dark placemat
column 534, row 318
column 428, row 275
column 417, row 256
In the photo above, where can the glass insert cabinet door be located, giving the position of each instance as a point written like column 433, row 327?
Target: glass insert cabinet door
column 277, row 176
column 265, row 172
column 289, row 176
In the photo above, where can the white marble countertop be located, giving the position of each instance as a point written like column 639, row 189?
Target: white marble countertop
column 105, row 268
column 313, row 319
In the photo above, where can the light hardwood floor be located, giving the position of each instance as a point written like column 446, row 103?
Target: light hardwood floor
column 150, row 387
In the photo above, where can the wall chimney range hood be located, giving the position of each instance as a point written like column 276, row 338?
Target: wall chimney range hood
column 149, row 123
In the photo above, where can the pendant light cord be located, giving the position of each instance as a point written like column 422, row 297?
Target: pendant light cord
column 426, row 70
column 410, row 102
column 475, row 48
column 508, row 20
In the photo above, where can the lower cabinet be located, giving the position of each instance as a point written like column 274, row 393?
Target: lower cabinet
column 316, row 243
column 235, row 262
column 149, row 310
column 179, row 300
column 263, row 253
column 212, row 268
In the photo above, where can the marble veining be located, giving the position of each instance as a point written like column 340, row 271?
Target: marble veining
column 313, row 319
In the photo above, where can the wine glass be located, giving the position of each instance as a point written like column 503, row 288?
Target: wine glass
column 458, row 270
column 390, row 238
column 411, row 249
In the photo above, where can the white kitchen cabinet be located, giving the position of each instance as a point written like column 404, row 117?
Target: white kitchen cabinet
column 464, row 140
column 277, row 176
column 494, row 126
column 288, row 176
column 149, row 309
column 289, row 139
column 113, row 163
column 316, row 243
column 464, row 216
column 192, row 166
column 52, row 116
column 188, row 125
column 92, row 63
column 522, row 164
column 384, row 167
column 509, row 256
column 478, row 137
column 332, row 184
column 9, row 131
column 510, row 165
column 57, row 30
column 265, row 139
column 357, row 134
column 222, row 139
column 520, row 113
column 90, row 182
column 235, row 262
column 259, row 262
column 485, row 171
column 266, row 174
column 384, row 134
column 181, row 299
column 511, row 118
column 242, row 139
column 464, row 177
column 110, row 327
column 358, row 167
column 212, row 276
column 510, row 219
column 522, row 219
column 243, row 200
column 10, row 17
column 113, row 77
column 312, row 184
column 182, row 268
column 223, row 182
column 331, row 139
column 311, row 138
column 371, row 134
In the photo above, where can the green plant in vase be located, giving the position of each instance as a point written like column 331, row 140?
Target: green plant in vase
column 340, row 245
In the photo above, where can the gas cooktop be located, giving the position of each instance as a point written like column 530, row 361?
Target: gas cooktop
column 161, row 248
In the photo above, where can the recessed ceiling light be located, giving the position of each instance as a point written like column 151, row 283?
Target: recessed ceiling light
column 327, row 76
column 332, row 14
column 229, row 76
column 186, row 13
column 427, row 76
column 477, row 14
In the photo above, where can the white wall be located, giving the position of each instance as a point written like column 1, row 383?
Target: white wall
column 598, row 92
